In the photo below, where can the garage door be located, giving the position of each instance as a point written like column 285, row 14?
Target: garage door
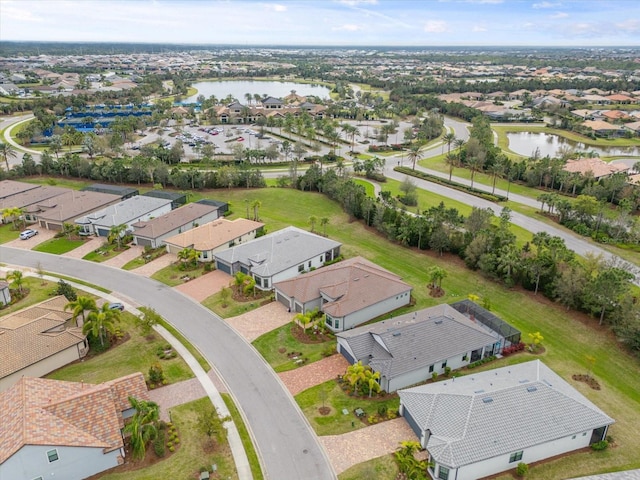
column 346, row 354
column 283, row 299
column 144, row 242
column 223, row 267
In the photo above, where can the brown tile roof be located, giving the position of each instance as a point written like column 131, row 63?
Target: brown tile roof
column 214, row 234
column 598, row 167
column 35, row 333
column 24, row 199
column 11, row 187
column 38, row 411
column 616, row 97
column 615, row 114
column 599, row 125
column 74, row 204
column 353, row 284
column 172, row 220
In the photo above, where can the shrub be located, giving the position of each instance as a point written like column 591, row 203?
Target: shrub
column 482, row 362
column 382, row 410
column 156, row 375
column 601, row 445
column 516, row 347
column 171, row 449
column 434, row 376
column 522, row 469
column 159, row 445
column 447, row 371
column 67, row 290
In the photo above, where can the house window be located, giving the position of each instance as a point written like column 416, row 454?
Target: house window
column 309, row 263
column 430, row 368
column 584, row 434
column 205, row 254
column 444, row 364
column 443, row 473
column 52, row 455
column 573, row 438
column 329, row 321
column 265, row 283
column 464, row 357
column 337, row 323
column 301, row 267
column 515, row 457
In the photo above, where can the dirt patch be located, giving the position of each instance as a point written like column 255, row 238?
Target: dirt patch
column 311, row 336
column 324, row 410
column 435, row 291
column 588, row 379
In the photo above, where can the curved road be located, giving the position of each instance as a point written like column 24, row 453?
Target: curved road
column 285, row 441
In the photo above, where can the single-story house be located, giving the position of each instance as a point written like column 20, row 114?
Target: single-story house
column 66, row 208
column 152, row 233
column 127, row 212
column 349, row 293
column 121, row 191
column 486, row 423
column 603, row 129
column 11, row 187
column 599, row 168
column 5, row 293
column 214, row 237
column 37, row 340
column 177, row 199
column 278, row 256
column 65, row 430
column 408, row 349
column 28, row 200
column 223, row 207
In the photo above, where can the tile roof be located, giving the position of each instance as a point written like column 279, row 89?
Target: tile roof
column 278, row 251
column 24, row 199
column 499, row 411
column 11, row 187
column 214, row 234
column 35, row 333
column 125, row 211
column 598, row 125
column 599, row 167
column 38, row 411
column 353, row 284
column 74, row 204
column 168, row 222
column 416, row 340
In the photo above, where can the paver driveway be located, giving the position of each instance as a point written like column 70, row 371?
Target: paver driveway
column 202, row 287
column 119, row 260
column 301, row 378
column 158, row 264
column 43, row 235
column 261, row 320
column 88, row 246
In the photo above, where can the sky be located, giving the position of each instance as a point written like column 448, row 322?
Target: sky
column 327, row 22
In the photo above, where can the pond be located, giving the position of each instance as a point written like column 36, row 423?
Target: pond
column 238, row 89
column 526, row 143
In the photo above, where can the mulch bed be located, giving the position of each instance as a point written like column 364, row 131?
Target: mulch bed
column 588, row 379
column 310, row 336
column 260, row 295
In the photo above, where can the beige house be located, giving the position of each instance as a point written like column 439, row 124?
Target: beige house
column 9, row 188
column 214, row 237
column 69, row 206
column 37, row 340
column 28, row 200
column 599, row 168
column 64, row 430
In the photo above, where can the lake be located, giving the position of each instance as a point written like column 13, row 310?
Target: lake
column 238, row 89
column 525, row 143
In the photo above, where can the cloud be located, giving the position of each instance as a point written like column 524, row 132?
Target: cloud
column 629, row 26
column 435, row 26
column 348, row 28
column 355, row 3
column 276, row 7
column 18, row 14
column 546, row 5
column 478, row 28
column 559, row 15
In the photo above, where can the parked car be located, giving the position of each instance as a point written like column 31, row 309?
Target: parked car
column 116, row 306
column 27, row 234
column 240, row 139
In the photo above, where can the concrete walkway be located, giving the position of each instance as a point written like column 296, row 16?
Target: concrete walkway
column 365, row 444
column 206, row 384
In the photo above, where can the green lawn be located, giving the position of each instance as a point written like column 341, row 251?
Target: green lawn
column 135, row 355
column 105, row 252
column 193, row 453
column 8, row 232
column 254, row 461
column 232, row 309
column 381, row 468
column 336, row 422
column 39, row 290
column 270, row 343
column 172, row 275
column 58, row 246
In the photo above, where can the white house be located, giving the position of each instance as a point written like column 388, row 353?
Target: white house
column 349, row 293
column 486, row 423
column 278, row 256
column 408, row 349
column 152, row 233
column 5, row 294
column 64, row 430
column 127, row 212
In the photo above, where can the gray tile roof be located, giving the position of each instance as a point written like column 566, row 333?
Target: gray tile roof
column 124, row 211
column 415, row 340
column 11, row 187
column 529, row 405
column 170, row 221
column 29, row 197
column 278, row 251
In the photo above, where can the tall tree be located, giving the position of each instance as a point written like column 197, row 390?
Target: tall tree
column 100, row 322
column 143, row 425
column 7, row 152
column 81, row 305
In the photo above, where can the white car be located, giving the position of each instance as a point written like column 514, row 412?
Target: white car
column 27, row 234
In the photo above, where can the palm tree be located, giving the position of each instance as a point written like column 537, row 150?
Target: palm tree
column 7, row 152
column 324, row 221
column 188, row 255
column 99, row 321
column 255, row 205
column 143, row 425
column 16, row 278
column 436, row 275
column 81, row 305
column 15, row 214
column 452, row 161
column 448, row 138
column 115, row 234
column 312, row 221
column 414, row 154
column 475, row 164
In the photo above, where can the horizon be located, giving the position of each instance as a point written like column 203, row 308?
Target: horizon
column 327, row 24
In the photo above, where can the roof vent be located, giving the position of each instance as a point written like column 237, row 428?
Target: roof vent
column 438, row 322
column 356, row 279
column 487, row 400
column 479, row 391
column 524, row 380
column 531, row 389
column 396, row 334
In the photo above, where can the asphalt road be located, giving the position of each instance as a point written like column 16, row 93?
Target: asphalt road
column 286, row 443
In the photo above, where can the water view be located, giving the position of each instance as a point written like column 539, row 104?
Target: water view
column 239, row 88
column 526, row 143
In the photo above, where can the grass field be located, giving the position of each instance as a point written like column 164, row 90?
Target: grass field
column 58, row 246
column 8, row 232
column 39, row 290
column 172, row 275
column 229, row 308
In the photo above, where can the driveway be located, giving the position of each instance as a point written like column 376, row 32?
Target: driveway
column 315, row 373
column 261, row 320
column 159, row 263
column 365, row 444
column 205, row 285
column 43, row 236
column 119, row 260
column 287, row 446
column 88, row 246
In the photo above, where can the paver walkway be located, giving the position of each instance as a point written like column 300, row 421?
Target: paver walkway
column 205, row 285
column 261, row 320
column 158, row 264
column 88, row 246
column 119, row 260
column 364, row 444
column 313, row 374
